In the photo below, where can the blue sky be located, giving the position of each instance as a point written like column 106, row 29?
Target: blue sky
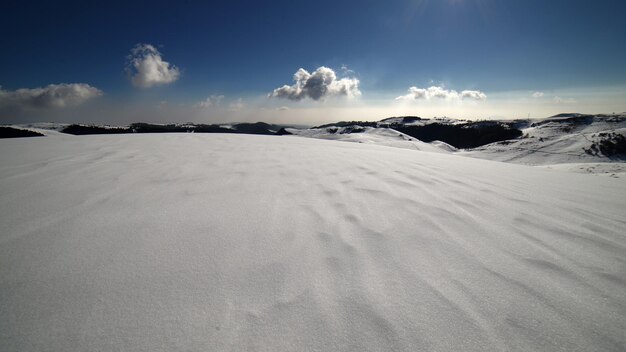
column 514, row 58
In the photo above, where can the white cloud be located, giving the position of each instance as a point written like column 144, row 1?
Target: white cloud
column 537, row 94
column 473, row 94
column 320, row 84
column 53, row 95
column 559, row 100
column 346, row 70
column 282, row 108
column 436, row 92
column 211, row 101
column 148, row 69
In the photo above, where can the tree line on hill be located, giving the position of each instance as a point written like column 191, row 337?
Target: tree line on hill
column 140, row 127
column 10, row 132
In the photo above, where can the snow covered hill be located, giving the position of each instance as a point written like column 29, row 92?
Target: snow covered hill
column 568, row 142
column 379, row 136
column 223, row 242
column 565, row 138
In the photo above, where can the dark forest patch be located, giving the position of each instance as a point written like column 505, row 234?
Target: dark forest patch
column 461, row 136
column 10, row 132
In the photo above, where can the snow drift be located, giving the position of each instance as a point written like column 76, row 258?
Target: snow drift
column 239, row 242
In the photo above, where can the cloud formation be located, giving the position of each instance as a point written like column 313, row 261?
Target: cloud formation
column 319, row 85
column 53, row 95
column 211, row 101
column 435, row 92
column 537, row 94
column 473, row 94
column 148, row 69
column 559, row 100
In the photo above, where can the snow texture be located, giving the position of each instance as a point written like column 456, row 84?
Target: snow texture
column 218, row 242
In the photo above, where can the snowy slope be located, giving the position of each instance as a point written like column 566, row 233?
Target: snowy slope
column 218, row 242
column 45, row 128
column 379, row 136
column 563, row 142
column 556, row 140
column 418, row 121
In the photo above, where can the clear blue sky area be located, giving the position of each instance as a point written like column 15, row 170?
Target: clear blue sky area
column 252, row 47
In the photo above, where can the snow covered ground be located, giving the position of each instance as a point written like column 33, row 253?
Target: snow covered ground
column 219, row 242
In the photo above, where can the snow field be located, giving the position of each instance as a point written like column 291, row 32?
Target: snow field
column 217, row 242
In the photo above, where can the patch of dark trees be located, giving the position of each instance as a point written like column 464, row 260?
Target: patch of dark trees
column 83, row 129
column 244, row 128
column 349, row 124
column 173, row 128
column 571, row 119
column 469, row 135
column 403, row 119
column 10, row 132
column 283, row 132
column 257, row 128
column 346, row 129
column 610, row 145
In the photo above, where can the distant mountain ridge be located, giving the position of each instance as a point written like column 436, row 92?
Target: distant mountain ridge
column 562, row 138
column 141, row 127
column 458, row 133
column 566, row 138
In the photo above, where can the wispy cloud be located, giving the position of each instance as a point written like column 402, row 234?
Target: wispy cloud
column 319, row 85
column 148, row 69
column 537, row 94
column 346, row 70
column 436, row 92
column 53, row 95
column 211, row 101
column 559, row 100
